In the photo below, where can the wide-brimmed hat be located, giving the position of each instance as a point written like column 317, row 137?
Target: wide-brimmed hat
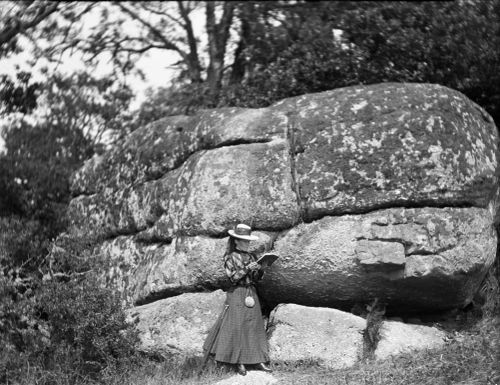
column 242, row 231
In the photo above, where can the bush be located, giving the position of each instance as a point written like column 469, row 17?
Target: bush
column 22, row 244
column 86, row 321
column 488, row 296
column 64, row 325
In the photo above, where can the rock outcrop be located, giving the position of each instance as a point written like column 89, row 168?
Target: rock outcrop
column 398, row 337
column 177, row 326
column 427, row 258
column 386, row 190
column 334, row 339
column 145, row 272
column 328, row 337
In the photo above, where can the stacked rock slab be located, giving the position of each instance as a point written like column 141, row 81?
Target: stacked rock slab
column 334, row 339
column 385, row 191
column 178, row 326
column 329, row 337
column 426, row 258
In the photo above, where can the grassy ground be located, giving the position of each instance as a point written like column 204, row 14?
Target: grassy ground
column 470, row 357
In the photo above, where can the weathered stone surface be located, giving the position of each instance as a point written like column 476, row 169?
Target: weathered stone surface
column 397, row 338
column 353, row 150
column 438, row 258
column 209, row 193
column 359, row 148
column 151, row 151
column 334, row 339
column 186, row 180
column 329, row 337
column 145, row 272
column 178, row 325
column 380, row 254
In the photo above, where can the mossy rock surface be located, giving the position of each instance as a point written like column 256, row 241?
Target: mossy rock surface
column 387, row 190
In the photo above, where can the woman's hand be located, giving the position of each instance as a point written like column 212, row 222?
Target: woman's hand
column 253, row 266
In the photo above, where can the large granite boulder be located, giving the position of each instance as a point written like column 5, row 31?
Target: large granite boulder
column 334, row 339
column 177, row 326
column 328, row 337
column 145, row 272
column 320, row 173
column 204, row 196
column 391, row 145
column 398, row 338
column 413, row 259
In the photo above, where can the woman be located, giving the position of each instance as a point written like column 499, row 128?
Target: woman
column 239, row 337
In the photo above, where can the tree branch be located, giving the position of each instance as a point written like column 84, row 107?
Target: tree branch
column 167, row 44
column 17, row 26
column 160, row 13
column 140, row 50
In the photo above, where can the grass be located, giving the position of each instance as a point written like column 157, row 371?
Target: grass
column 470, row 357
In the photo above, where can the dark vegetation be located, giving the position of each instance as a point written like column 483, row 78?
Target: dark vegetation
column 371, row 335
column 56, row 325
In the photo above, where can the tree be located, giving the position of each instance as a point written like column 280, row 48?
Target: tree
column 19, row 18
column 283, row 48
column 44, row 148
column 150, row 26
column 435, row 42
column 19, row 95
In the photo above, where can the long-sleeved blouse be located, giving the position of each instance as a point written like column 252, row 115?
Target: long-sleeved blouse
column 236, row 268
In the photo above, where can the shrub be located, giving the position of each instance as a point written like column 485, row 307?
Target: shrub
column 86, row 321
column 65, row 325
column 488, row 296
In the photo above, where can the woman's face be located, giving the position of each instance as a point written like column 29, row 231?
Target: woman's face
column 242, row 244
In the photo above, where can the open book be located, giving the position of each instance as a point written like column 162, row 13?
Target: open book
column 267, row 258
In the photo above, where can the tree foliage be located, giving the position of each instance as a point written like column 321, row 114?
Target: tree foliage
column 439, row 42
column 253, row 53
column 19, row 95
column 43, row 148
column 283, row 49
column 22, row 17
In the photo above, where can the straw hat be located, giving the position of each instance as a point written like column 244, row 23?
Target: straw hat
column 242, row 231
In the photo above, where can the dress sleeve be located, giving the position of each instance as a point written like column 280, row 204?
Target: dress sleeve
column 234, row 266
column 256, row 275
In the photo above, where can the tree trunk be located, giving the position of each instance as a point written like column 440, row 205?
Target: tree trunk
column 238, row 68
column 192, row 59
column 218, row 35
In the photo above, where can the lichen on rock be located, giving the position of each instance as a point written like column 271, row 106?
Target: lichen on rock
column 388, row 190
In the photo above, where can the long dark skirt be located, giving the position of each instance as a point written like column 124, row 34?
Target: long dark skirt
column 238, row 336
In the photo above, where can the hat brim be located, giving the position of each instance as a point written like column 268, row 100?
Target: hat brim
column 246, row 237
